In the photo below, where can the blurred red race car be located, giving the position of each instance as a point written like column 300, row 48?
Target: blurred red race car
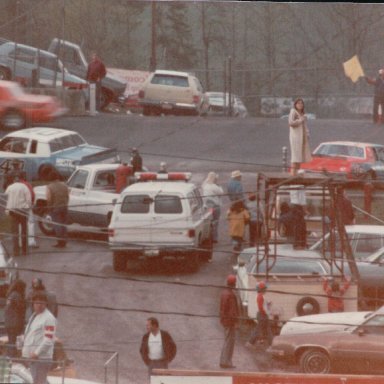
column 18, row 108
column 353, row 160
column 132, row 103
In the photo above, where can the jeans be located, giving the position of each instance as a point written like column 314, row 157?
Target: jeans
column 39, row 371
column 19, row 219
column 262, row 329
column 59, row 217
column 255, row 232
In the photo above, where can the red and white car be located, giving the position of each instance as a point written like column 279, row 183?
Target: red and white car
column 354, row 160
column 18, row 108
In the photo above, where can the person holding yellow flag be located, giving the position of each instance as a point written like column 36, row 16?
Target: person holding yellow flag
column 378, row 98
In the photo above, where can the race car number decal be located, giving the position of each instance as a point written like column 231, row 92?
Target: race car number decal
column 64, row 162
column 12, row 165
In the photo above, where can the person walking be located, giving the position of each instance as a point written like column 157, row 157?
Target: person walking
column 57, row 201
column 286, row 223
column 298, row 136
column 19, row 203
column 95, row 74
column 157, row 347
column 238, row 218
column 212, row 193
column 229, row 316
column 335, row 293
column 123, row 174
column 235, row 187
column 14, row 314
column 378, row 98
column 39, row 338
column 136, row 161
column 256, row 220
column 262, row 331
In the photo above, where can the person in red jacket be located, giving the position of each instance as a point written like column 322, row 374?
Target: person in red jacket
column 335, row 294
column 229, row 313
column 95, row 73
column 123, row 173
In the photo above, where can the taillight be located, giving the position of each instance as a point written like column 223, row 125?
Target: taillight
column 141, row 94
column 196, row 99
column 191, row 233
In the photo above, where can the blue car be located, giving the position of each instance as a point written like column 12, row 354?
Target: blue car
column 40, row 151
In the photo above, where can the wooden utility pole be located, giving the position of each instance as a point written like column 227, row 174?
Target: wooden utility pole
column 153, row 62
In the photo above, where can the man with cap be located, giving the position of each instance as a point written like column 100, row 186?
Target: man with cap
column 235, row 188
column 19, row 203
column 229, row 314
column 262, row 331
column 39, row 339
column 378, row 98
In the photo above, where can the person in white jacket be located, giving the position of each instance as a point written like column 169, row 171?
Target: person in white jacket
column 39, row 339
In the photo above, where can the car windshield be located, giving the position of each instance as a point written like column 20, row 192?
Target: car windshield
column 65, row 142
column 340, row 150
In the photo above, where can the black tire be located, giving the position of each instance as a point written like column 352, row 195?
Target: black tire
column 13, row 119
column 45, row 219
column 5, row 74
column 315, row 361
column 119, row 262
column 307, row 306
column 45, row 172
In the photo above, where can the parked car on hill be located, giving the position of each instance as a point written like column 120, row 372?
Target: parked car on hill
column 354, row 160
column 33, row 66
column 219, row 104
column 171, row 92
column 40, row 151
column 333, row 342
column 18, row 108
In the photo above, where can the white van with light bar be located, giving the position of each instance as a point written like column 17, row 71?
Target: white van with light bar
column 161, row 215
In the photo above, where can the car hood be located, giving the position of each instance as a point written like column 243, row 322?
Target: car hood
column 86, row 150
column 325, row 322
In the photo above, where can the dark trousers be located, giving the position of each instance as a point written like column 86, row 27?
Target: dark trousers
column 59, row 217
column 262, row 330
column 12, row 334
column 377, row 100
column 153, row 364
column 19, row 220
column 255, row 232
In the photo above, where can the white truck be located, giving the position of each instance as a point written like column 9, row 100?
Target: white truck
column 161, row 215
column 91, row 200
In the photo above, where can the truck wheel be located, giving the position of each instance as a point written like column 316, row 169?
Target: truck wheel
column 307, row 306
column 119, row 262
column 45, row 219
column 13, row 119
column 105, row 98
column 315, row 361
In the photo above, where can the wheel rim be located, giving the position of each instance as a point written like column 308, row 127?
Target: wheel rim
column 317, row 363
column 47, row 223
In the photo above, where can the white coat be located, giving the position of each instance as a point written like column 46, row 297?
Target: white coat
column 298, row 138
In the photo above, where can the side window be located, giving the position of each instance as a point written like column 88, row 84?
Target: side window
column 168, row 204
column 136, row 204
column 24, row 55
column 48, row 62
column 79, row 179
column 105, row 180
column 367, row 244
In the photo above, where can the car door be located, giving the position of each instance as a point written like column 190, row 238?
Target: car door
column 362, row 349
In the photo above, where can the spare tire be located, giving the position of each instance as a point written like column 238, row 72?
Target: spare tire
column 307, row 306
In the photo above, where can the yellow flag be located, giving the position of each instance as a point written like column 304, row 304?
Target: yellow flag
column 353, row 69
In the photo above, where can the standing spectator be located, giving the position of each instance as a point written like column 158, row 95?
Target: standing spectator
column 229, row 315
column 38, row 286
column 136, row 161
column 262, row 331
column 286, row 222
column 298, row 136
column 345, row 207
column 57, row 200
column 95, row 73
column 163, row 167
column 123, row 173
column 378, row 98
column 31, row 217
column 238, row 218
column 235, row 188
column 299, row 227
column 39, row 338
column 335, row 294
column 19, row 202
column 14, row 314
column 256, row 220
column 212, row 193
column 157, row 346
